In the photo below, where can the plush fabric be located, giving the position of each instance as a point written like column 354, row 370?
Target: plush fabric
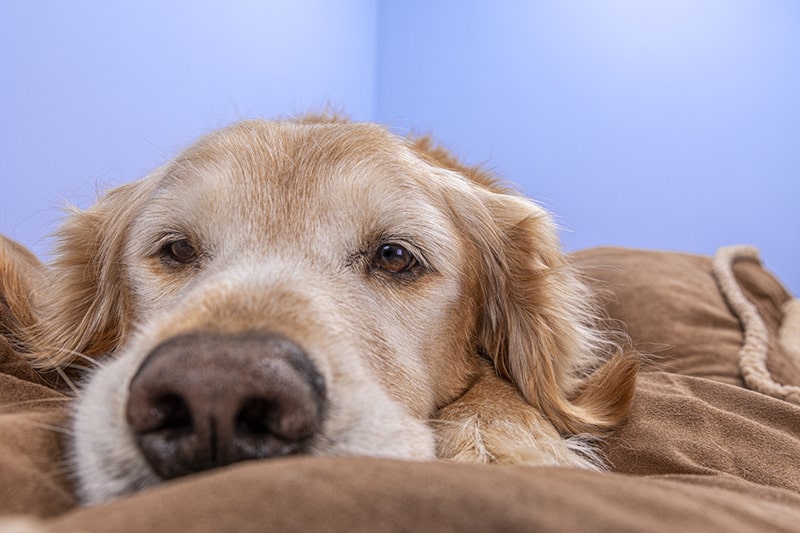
column 701, row 451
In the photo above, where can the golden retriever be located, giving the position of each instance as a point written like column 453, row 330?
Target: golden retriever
column 321, row 287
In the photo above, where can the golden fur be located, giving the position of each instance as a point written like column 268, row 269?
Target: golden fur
column 491, row 351
column 19, row 269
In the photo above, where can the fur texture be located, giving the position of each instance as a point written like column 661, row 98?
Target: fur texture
column 487, row 348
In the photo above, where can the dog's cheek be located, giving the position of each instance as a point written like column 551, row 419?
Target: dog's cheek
column 362, row 419
column 431, row 347
column 152, row 290
column 105, row 458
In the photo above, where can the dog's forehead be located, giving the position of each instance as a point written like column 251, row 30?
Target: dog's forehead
column 290, row 162
column 290, row 178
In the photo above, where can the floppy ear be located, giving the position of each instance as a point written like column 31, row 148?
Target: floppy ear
column 82, row 297
column 19, row 269
column 536, row 320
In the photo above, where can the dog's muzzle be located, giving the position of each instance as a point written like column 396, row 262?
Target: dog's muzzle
column 203, row 400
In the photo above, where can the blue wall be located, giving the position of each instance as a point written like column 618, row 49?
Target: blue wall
column 99, row 93
column 663, row 123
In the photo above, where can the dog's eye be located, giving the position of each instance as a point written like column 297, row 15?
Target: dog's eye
column 181, row 251
column 394, row 258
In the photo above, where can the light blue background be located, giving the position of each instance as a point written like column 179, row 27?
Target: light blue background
column 669, row 124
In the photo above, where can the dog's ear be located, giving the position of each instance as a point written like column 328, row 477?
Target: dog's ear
column 536, row 319
column 538, row 325
column 19, row 271
column 82, row 297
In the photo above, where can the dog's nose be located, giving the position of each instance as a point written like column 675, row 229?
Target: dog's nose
column 203, row 400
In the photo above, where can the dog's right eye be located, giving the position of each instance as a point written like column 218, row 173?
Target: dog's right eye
column 394, row 259
column 181, row 251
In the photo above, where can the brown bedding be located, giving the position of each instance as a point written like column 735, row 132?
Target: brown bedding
column 702, row 451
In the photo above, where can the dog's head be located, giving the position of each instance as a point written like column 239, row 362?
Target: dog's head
column 308, row 286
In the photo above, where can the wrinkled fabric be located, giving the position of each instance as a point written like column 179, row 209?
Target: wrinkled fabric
column 699, row 452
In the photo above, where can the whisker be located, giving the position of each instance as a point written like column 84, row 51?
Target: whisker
column 67, row 380
column 61, row 430
column 92, row 363
column 62, row 471
column 51, row 428
column 36, row 402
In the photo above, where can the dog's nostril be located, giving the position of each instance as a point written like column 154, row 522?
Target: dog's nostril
column 171, row 412
column 147, row 413
column 203, row 400
column 256, row 416
column 286, row 418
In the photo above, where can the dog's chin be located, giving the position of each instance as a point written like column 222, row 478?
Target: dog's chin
column 108, row 464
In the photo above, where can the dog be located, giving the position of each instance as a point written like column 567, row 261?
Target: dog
column 323, row 287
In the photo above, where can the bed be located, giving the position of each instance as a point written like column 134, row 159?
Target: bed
column 713, row 443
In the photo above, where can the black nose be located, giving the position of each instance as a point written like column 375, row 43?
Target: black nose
column 202, row 400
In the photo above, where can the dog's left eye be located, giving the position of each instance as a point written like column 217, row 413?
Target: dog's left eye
column 181, row 251
column 394, row 258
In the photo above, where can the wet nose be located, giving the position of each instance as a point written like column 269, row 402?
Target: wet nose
column 202, row 400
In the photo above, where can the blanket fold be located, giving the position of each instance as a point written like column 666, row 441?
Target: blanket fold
column 701, row 451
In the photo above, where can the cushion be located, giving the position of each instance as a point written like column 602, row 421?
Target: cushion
column 706, row 447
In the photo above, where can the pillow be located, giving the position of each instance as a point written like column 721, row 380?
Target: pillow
column 700, row 451
column 672, row 308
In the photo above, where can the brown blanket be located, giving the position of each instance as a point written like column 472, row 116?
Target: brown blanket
column 700, row 452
